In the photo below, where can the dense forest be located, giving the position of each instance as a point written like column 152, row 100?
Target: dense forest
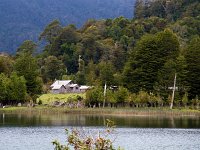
column 24, row 19
column 141, row 56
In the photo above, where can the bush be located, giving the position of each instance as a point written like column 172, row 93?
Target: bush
column 78, row 140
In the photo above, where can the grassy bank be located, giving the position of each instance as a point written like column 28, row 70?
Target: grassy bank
column 105, row 111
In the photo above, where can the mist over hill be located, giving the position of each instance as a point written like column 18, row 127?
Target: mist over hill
column 24, row 19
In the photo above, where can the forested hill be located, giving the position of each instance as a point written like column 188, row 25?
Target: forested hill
column 141, row 56
column 25, row 19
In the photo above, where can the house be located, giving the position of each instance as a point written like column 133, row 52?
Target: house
column 57, row 89
column 62, row 82
column 67, row 86
column 61, row 86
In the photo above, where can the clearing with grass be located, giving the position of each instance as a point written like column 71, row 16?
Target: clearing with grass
column 50, row 98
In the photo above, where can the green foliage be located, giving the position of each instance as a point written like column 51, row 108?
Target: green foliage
column 6, row 65
column 51, row 31
column 17, row 89
column 172, row 10
column 69, row 57
column 91, row 75
column 80, row 78
column 60, row 45
column 141, row 54
column 185, row 99
column 111, row 97
column 148, row 58
column 4, row 87
column 94, row 96
column 27, row 47
column 143, row 97
column 106, row 72
column 13, row 89
column 25, row 65
column 121, row 95
column 53, row 68
column 192, row 58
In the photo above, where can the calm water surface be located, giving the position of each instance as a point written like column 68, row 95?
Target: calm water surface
column 37, row 131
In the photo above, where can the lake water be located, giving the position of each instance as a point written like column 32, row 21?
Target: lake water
column 37, row 131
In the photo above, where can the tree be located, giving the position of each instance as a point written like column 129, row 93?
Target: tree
column 122, row 95
column 140, row 71
column 168, row 45
column 193, row 66
column 148, row 58
column 17, row 88
column 67, row 37
column 139, row 9
column 51, row 31
column 182, row 72
column 53, row 68
column 69, row 57
column 118, row 57
column 4, row 88
column 26, row 65
column 94, row 96
column 106, row 72
column 90, row 49
column 166, row 78
column 91, row 75
column 111, row 97
column 6, row 65
column 27, row 47
column 13, row 89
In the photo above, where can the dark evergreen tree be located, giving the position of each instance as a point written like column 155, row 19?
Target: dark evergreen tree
column 26, row 65
column 148, row 58
column 193, row 66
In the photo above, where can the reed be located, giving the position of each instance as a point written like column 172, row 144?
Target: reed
column 105, row 111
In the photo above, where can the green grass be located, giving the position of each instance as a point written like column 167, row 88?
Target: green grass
column 50, row 98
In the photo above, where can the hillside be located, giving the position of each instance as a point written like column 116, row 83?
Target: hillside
column 25, row 19
column 140, row 56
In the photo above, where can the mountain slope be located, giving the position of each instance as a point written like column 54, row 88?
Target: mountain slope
column 25, row 19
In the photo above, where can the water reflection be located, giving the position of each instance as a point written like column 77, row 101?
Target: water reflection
column 60, row 119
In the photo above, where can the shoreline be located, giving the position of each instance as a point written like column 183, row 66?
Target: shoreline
column 164, row 112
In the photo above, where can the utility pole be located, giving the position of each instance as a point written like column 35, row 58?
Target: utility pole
column 174, row 88
column 104, row 94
